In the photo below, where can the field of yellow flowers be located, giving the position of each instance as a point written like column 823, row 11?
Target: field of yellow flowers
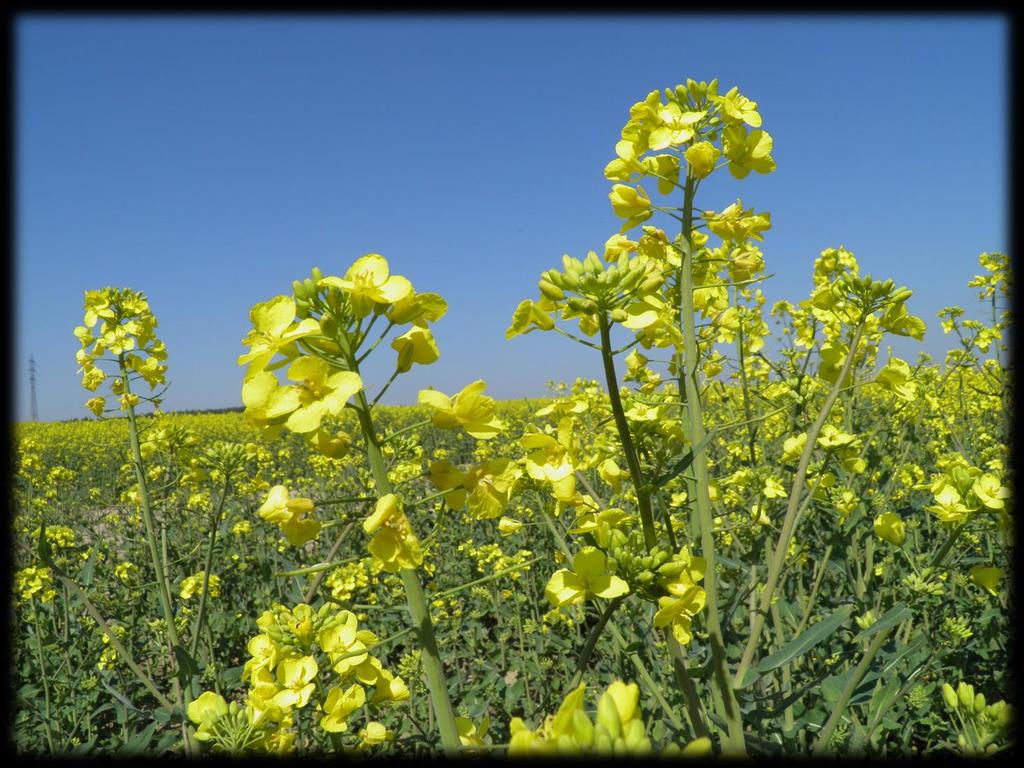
column 758, row 533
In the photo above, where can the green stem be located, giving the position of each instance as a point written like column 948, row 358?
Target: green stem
column 941, row 554
column 821, row 744
column 642, row 495
column 595, row 633
column 686, row 685
column 319, row 577
column 728, row 708
column 488, row 578
column 201, row 614
column 417, row 600
column 163, row 590
column 46, row 684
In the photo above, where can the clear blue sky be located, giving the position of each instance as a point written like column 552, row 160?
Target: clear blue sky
column 211, row 161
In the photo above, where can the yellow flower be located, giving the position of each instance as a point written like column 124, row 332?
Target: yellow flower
column 587, row 579
column 736, row 108
column 416, row 345
column 675, row 128
column 889, row 526
column 290, row 516
column 320, row 393
column 896, row 378
column 747, row 151
column 702, row 157
column 470, row 409
column 679, row 609
column 631, row 204
column 987, row 578
column 550, row 459
column 339, row 705
column 372, row 734
column 990, row 491
column 294, row 676
column 191, row 585
column 264, row 653
column 368, row 282
column 394, row 546
column 33, row 581
column 273, row 329
column 205, row 711
column 507, row 526
column 529, row 316
column 612, row 474
column 471, row 734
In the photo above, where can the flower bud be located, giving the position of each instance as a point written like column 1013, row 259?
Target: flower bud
column 608, row 716
column 949, row 696
column 965, row 693
column 582, row 728
column 550, row 291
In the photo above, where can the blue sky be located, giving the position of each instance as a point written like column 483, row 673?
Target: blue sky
column 211, row 161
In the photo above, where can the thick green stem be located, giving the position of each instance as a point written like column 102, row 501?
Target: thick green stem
column 689, row 690
column 793, row 510
column 729, row 708
column 163, row 590
column 642, row 495
column 417, row 600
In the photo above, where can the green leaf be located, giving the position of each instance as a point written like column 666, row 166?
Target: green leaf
column 139, row 741
column 891, row 618
column 43, row 546
column 167, row 741
column 809, row 638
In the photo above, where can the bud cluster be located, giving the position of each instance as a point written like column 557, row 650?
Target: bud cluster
column 989, row 724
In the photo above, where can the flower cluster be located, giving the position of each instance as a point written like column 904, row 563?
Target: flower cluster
column 118, row 322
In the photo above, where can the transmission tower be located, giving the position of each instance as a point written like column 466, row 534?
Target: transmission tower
column 32, row 383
